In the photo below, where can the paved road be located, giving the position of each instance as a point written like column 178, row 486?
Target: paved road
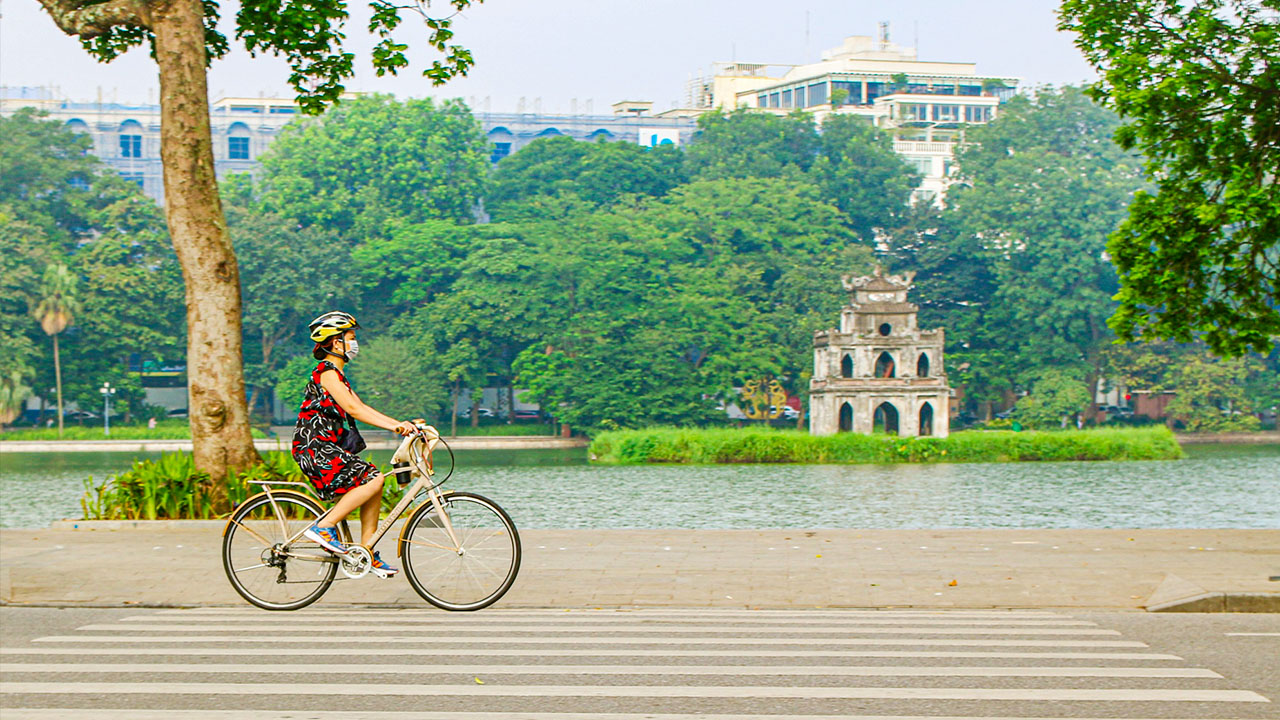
column 667, row 664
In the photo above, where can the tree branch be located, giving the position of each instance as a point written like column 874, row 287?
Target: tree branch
column 90, row 21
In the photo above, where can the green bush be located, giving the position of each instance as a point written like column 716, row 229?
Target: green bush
column 168, row 429
column 765, row 445
column 172, row 489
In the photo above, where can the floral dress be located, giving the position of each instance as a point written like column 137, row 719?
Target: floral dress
column 321, row 424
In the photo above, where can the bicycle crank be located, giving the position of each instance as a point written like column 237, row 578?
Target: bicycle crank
column 357, row 562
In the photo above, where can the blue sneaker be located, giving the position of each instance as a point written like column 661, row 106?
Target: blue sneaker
column 326, row 538
column 381, row 568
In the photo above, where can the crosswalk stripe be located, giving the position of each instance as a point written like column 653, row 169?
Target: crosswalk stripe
column 807, row 670
column 641, row 691
column 258, row 714
column 287, row 626
column 597, row 652
column 509, row 641
column 437, row 619
column 641, row 612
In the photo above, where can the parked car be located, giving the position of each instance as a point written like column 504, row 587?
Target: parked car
column 178, row 413
column 527, row 415
column 81, row 415
column 486, row 412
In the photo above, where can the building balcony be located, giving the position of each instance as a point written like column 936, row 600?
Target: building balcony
column 923, row 148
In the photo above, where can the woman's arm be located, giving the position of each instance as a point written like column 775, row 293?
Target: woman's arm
column 348, row 401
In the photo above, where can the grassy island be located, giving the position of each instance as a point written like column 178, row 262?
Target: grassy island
column 767, row 445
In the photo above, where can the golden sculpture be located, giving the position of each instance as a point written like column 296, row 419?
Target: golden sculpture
column 763, row 401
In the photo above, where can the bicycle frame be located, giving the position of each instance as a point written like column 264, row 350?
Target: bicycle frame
column 416, row 467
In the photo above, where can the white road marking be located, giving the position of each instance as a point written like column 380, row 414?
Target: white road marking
column 85, row 714
column 487, row 670
column 639, row 691
column 426, row 619
column 539, row 652
column 1252, row 634
column 509, row 641
column 636, row 613
column 285, row 626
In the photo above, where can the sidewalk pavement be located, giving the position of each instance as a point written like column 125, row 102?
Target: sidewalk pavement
column 178, row 564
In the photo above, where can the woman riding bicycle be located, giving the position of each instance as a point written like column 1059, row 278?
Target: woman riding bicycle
column 318, row 439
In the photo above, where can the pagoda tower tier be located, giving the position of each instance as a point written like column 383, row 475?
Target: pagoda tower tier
column 879, row 371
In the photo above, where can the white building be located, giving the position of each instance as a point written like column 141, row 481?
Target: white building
column 127, row 137
column 926, row 105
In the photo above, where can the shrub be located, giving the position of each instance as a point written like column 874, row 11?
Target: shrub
column 766, row 445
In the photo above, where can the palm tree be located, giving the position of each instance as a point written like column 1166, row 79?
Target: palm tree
column 57, row 308
column 12, row 394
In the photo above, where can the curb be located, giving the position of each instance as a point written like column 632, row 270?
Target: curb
column 1175, row 594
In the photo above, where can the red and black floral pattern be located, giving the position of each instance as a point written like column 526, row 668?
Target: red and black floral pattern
column 331, row 470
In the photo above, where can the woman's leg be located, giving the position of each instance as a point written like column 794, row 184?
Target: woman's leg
column 369, row 512
column 351, row 499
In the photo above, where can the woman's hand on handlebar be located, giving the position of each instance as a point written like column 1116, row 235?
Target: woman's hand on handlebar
column 405, row 428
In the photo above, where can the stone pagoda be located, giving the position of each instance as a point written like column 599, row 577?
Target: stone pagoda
column 879, row 371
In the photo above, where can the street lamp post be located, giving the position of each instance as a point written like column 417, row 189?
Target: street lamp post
column 107, row 391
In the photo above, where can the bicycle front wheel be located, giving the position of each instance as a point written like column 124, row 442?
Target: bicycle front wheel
column 268, row 561
column 478, row 569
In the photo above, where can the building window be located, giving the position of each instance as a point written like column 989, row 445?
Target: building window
column 886, row 419
column 786, row 98
column 977, row 113
column 846, row 366
column 238, row 148
column 885, row 329
column 135, row 177
column 846, row 417
column 500, row 150
column 773, row 99
column 913, row 112
column 818, row 94
column 946, row 113
column 922, row 366
column 78, row 183
column 970, row 90
column 852, row 92
column 875, row 90
column 926, row 419
column 131, row 146
column 762, row 101
column 922, row 165
column 800, row 98
column 884, row 366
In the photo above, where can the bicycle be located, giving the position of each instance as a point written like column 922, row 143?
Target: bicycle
column 460, row 551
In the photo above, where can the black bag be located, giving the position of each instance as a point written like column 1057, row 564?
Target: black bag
column 351, row 440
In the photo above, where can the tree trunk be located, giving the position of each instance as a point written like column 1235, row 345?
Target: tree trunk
column 219, row 416
column 453, row 411
column 511, row 403
column 57, row 377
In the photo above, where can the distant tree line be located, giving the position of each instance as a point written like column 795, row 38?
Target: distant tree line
column 622, row 286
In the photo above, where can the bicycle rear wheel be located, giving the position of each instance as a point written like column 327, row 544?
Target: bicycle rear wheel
column 264, row 565
column 469, row 577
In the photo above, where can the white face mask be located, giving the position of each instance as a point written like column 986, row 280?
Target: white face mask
column 353, row 349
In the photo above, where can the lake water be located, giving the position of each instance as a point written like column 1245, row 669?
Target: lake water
column 1217, row 486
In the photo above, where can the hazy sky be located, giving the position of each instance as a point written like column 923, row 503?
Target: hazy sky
column 552, row 52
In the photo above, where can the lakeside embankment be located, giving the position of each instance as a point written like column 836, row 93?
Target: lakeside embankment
column 766, row 445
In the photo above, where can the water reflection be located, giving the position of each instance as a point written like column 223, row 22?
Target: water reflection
column 1217, row 486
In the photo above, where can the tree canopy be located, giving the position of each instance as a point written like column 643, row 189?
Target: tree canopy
column 1199, row 87
column 373, row 161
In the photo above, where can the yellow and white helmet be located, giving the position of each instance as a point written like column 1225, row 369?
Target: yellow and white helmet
column 334, row 322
